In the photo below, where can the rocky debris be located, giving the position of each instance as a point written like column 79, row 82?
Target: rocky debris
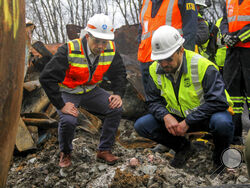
column 40, row 168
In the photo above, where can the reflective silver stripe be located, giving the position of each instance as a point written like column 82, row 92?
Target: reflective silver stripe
column 169, row 12
column 231, row 19
column 158, row 75
column 239, row 18
column 195, row 78
column 76, row 45
column 104, row 58
column 189, row 111
column 78, row 89
column 144, row 9
column 145, row 36
column 176, row 112
column 244, row 18
column 77, row 60
column 228, row 3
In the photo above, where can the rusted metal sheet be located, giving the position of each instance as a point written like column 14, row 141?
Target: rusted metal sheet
column 12, row 58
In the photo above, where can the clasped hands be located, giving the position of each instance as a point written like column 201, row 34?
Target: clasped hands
column 174, row 127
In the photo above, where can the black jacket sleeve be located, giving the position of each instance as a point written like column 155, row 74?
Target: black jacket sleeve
column 117, row 75
column 189, row 22
column 54, row 73
column 202, row 34
column 215, row 97
column 156, row 103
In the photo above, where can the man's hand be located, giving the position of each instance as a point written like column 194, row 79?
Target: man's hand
column 182, row 128
column 171, row 124
column 115, row 101
column 69, row 108
column 230, row 40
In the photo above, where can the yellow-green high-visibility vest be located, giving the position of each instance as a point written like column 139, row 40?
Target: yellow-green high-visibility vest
column 191, row 94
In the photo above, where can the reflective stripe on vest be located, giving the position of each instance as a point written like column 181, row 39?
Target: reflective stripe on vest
column 238, row 16
column 191, row 94
column 78, row 79
column 170, row 9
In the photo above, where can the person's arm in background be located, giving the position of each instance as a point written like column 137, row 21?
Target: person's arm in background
column 189, row 22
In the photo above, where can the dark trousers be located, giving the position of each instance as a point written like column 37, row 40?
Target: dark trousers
column 94, row 101
column 236, row 75
column 220, row 125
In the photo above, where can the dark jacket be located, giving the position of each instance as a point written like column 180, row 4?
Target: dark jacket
column 54, row 73
column 189, row 21
column 214, row 95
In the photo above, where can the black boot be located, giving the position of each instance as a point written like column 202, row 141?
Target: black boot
column 183, row 155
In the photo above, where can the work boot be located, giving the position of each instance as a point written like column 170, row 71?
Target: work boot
column 183, row 155
column 65, row 160
column 107, row 157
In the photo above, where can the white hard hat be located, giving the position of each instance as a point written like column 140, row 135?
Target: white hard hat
column 100, row 26
column 165, row 41
column 200, row 2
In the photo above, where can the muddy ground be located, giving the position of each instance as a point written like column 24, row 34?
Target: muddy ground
column 39, row 168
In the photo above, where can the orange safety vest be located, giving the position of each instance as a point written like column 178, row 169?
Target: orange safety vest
column 238, row 16
column 168, row 14
column 78, row 79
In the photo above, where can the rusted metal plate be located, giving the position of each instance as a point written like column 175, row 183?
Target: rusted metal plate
column 12, row 58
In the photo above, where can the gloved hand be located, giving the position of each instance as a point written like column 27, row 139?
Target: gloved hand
column 230, row 40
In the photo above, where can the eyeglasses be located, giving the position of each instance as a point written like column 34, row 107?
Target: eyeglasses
column 170, row 59
column 99, row 41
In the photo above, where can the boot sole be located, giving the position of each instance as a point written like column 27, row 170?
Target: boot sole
column 107, row 162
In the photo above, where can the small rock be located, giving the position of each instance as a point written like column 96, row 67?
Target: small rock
column 133, row 162
column 241, row 179
column 102, row 167
column 148, row 169
column 150, row 158
column 62, row 172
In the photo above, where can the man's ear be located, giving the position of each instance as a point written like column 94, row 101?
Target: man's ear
column 87, row 36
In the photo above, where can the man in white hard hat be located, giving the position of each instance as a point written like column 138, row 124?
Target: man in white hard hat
column 186, row 93
column 71, row 80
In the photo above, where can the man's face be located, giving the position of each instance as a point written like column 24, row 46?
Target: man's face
column 171, row 64
column 96, row 45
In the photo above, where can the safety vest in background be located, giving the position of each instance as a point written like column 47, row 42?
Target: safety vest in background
column 220, row 55
column 168, row 14
column 191, row 94
column 78, row 78
column 238, row 16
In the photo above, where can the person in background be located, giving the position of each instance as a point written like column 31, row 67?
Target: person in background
column 71, row 80
column 180, row 14
column 220, row 55
column 235, row 28
column 186, row 93
column 202, row 35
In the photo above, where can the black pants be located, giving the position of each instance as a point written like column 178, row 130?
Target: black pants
column 236, row 75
